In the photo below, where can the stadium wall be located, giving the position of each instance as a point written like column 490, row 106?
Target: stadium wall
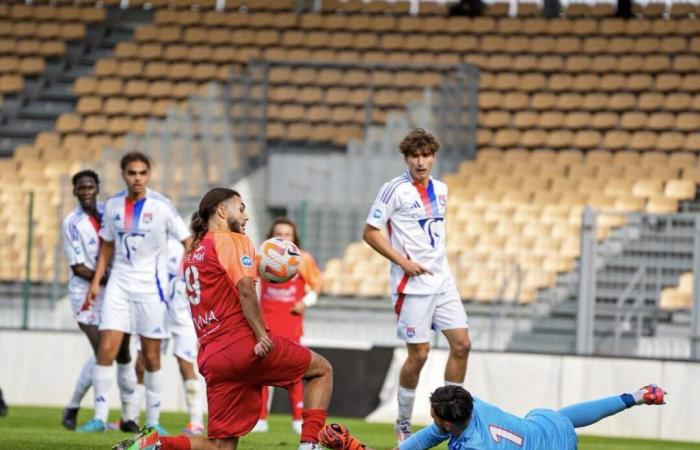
column 40, row 368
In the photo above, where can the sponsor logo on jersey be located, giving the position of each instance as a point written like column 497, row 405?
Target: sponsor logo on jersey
column 205, row 320
column 377, row 214
column 246, row 261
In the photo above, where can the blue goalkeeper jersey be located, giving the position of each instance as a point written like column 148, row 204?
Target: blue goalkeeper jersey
column 491, row 428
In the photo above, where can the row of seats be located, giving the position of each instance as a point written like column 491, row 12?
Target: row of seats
column 680, row 296
column 524, row 209
column 668, row 141
column 592, row 102
column 583, row 81
column 23, row 16
column 107, row 87
column 630, row 120
column 373, row 39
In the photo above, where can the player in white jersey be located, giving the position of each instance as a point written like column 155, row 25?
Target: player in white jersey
column 81, row 244
column 184, row 341
column 135, row 228
column 412, row 208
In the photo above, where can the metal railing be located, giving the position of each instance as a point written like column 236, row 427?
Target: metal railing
column 621, row 280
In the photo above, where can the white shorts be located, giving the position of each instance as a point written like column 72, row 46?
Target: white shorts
column 418, row 314
column 184, row 346
column 90, row 316
column 133, row 312
column 182, row 330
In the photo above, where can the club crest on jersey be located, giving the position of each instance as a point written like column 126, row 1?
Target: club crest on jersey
column 429, row 226
column 410, row 332
column 246, row 261
column 147, row 217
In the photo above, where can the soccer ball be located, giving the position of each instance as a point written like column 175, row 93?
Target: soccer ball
column 279, row 260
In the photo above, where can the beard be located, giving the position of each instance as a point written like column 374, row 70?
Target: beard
column 234, row 225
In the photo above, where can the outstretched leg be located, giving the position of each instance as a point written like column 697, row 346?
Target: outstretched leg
column 588, row 413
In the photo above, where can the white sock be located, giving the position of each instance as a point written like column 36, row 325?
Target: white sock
column 406, row 397
column 126, row 379
column 195, row 404
column 152, row 382
column 101, row 382
column 83, row 384
column 137, row 404
column 452, row 383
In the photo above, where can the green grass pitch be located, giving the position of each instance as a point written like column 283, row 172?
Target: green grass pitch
column 39, row 429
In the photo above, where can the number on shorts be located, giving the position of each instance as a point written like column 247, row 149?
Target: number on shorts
column 194, row 294
column 498, row 433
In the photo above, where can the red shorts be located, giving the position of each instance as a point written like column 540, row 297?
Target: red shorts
column 235, row 378
column 279, row 318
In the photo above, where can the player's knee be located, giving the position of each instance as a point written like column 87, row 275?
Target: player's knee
column 319, row 367
column 461, row 347
column 419, row 354
column 151, row 361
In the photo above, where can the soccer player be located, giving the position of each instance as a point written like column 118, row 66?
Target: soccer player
column 283, row 306
column 238, row 356
column 81, row 244
column 470, row 424
column 136, row 226
column 412, row 208
column 184, row 340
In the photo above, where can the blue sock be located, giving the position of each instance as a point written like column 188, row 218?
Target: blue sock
column 588, row 413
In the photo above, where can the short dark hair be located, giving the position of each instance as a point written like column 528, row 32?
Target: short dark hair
column 85, row 173
column 134, row 156
column 453, row 404
column 285, row 221
column 419, row 141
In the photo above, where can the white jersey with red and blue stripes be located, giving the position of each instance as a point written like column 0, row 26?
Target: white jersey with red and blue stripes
column 414, row 216
column 81, row 244
column 140, row 231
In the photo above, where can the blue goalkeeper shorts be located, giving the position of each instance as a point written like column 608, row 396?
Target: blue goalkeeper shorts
column 557, row 428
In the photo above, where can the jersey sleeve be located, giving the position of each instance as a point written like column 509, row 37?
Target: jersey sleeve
column 107, row 230
column 71, row 244
column 428, row 437
column 236, row 255
column 310, row 272
column 383, row 207
column 176, row 226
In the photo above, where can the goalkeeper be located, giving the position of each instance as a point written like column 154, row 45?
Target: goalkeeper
column 470, row 424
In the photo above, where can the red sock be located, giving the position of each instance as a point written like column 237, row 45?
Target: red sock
column 314, row 419
column 265, row 397
column 296, row 399
column 175, row 443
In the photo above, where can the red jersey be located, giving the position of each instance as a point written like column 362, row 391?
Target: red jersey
column 212, row 271
column 277, row 299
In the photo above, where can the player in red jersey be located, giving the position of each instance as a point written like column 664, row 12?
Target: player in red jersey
column 238, row 356
column 283, row 306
